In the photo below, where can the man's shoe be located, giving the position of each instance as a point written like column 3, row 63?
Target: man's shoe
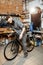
column 25, row 54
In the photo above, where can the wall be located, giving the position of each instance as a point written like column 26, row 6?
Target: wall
column 11, row 6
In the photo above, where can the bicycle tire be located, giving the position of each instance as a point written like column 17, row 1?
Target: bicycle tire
column 30, row 47
column 16, row 50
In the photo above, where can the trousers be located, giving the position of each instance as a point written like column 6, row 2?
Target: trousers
column 24, row 44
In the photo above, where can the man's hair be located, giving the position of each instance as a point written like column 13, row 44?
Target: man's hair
column 7, row 17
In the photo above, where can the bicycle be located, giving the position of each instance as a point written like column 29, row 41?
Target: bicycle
column 12, row 49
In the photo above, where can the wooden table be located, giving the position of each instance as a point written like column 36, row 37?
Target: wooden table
column 6, row 30
column 4, row 34
column 41, row 32
column 35, row 31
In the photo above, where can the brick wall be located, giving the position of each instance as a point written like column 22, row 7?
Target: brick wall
column 11, row 6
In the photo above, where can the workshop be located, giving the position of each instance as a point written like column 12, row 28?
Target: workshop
column 21, row 32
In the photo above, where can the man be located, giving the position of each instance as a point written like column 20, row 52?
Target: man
column 37, row 35
column 20, row 30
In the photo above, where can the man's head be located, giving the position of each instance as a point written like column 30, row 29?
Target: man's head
column 10, row 19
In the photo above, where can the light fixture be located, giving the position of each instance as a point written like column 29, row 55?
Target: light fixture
column 32, row 10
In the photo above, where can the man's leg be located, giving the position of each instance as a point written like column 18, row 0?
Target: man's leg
column 24, row 45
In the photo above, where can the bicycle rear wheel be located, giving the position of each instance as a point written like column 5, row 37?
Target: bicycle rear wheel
column 30, row 46
column 11, row 50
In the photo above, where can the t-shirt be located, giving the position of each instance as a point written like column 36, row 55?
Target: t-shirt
column 17, row 23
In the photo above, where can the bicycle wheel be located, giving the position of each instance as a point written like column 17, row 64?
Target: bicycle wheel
column 11, row 50
column 30, row 46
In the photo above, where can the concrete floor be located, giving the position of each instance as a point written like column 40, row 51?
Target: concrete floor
column 34, row 58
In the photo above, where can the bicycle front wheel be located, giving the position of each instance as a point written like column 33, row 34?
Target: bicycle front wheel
column 11, row 50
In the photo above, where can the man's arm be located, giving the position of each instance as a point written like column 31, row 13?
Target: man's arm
column 23, row 31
